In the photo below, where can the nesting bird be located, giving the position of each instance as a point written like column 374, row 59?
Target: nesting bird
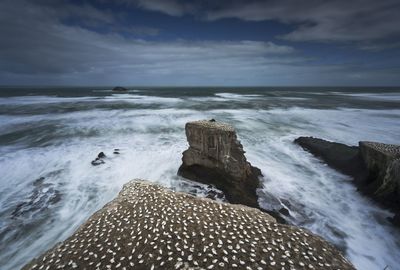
column 149, row 227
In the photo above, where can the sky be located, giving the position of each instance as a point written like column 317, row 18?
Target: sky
column 200, row 43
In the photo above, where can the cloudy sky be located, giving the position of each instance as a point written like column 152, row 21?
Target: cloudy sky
column 175, row 42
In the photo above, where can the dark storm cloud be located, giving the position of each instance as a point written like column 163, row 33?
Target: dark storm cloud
column 37, row 43
column 59, row 42
column 314, row 20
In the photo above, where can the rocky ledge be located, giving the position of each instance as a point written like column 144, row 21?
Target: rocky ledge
column 215, row 156
column 149, row 227
column 374, row 166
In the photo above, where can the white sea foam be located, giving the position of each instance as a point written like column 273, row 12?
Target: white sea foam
column 373, row 96
column 237, row 96
column 151, row 142
column 24, row 100
column 142, row 99
column 321, row 199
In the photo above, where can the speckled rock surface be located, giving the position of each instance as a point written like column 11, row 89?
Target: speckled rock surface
column 215, row 156
column 149, row 227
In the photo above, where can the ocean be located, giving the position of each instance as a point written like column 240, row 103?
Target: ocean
column 49, row 136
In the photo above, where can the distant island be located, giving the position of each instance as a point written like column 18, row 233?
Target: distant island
column 119, row 89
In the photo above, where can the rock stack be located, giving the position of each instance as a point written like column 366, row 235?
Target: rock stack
column 374, row 166
column 383, row 164
column 149, row 227
column 215, row 156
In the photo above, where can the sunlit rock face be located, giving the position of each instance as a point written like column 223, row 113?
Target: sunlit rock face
column 149, row 227
column 383, row 163
column 215, row 156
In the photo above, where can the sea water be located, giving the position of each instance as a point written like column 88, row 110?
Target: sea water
column 49, row 136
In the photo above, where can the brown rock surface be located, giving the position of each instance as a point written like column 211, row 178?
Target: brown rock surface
column 215, row 156
column 149, row 227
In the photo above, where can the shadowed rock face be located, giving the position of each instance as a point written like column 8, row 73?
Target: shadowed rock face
column 215, row 156
column 341, row 157
column 374, row 166
column 148, row 227
column 383, row 163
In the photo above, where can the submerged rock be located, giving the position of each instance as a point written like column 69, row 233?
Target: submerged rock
column 215, row 156
column 120, row 89
column 149, row 227
column 43, row 195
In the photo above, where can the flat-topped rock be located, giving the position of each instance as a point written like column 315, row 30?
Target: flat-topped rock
column 215, row 156
column 212, row 124
column 149, row 227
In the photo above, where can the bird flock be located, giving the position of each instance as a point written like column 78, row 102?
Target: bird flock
column 150, row 227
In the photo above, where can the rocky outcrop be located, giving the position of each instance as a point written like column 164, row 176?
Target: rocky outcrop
column 374, row 166
column 120, row 89
column 344, row 158
column 99, row 159
column 149, row 227
column 383, row 163
column 215, row 156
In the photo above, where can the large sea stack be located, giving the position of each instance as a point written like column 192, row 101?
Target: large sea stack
column 215, row 156
column 149, row 227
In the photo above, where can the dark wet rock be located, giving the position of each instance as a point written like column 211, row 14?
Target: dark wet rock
column 212, row 120
column 97, row 162
column 39, row 181
column 383, row 163
column 42, row 196
column 396, row 219
column 215, row 195
column 374, row 166
column 284, row 211
column 215, row 156
column 120, row 89
column 149, row 227
column 116, row 152
column 344, row 158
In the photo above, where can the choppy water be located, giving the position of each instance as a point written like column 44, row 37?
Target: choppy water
column 48, row 138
